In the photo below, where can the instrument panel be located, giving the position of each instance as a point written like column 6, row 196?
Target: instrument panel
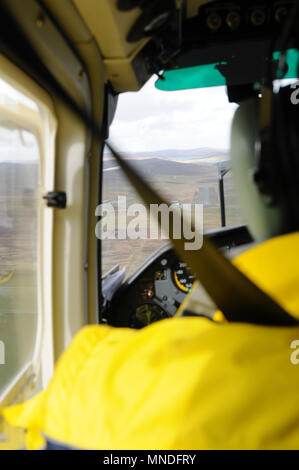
column 154, row 295
column 159, row 286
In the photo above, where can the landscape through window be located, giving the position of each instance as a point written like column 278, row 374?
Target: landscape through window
column 177, row 141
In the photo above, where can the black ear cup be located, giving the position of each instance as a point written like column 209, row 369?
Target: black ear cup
column 264, row 175
column 277, row 159
column 264, row 219
column 286, row 156
column 265, row 164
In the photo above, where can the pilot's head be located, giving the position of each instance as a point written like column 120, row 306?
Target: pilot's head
column 267, row 176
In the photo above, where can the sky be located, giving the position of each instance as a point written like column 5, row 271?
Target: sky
column 151, row 119
column 16, row 145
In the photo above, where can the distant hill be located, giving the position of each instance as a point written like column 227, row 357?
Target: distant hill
column 150, row 167
column 171, row 154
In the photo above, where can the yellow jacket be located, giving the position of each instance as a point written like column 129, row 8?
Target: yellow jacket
column 183, row 383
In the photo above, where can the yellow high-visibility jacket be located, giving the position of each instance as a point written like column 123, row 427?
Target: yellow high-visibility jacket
column 183, row 383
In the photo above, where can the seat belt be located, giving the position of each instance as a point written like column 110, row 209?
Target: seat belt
column 239, row 299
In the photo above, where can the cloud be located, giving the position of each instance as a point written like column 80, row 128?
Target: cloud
column 152, row 119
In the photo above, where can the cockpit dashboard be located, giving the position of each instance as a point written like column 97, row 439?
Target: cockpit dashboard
column 160, row 285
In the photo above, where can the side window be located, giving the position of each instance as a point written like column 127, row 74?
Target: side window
column 19, row 184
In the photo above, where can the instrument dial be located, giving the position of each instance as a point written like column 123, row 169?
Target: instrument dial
column 183, row 278
column 146, row 314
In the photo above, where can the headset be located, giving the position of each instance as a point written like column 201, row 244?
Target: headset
column 265, row 151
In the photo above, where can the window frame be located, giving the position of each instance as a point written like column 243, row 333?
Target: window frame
column 43, row 124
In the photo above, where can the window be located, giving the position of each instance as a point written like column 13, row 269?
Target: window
column 177, row 140
column 19, row 182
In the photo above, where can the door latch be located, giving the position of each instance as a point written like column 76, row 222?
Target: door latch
column 56, row 199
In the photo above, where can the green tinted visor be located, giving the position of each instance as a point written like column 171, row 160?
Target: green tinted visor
column 210, row 75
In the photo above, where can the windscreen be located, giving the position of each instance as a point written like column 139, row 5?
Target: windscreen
column 178, row 141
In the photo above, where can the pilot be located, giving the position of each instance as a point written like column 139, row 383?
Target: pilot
column 189, row 382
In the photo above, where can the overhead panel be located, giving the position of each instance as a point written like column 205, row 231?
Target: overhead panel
column 109, row 26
